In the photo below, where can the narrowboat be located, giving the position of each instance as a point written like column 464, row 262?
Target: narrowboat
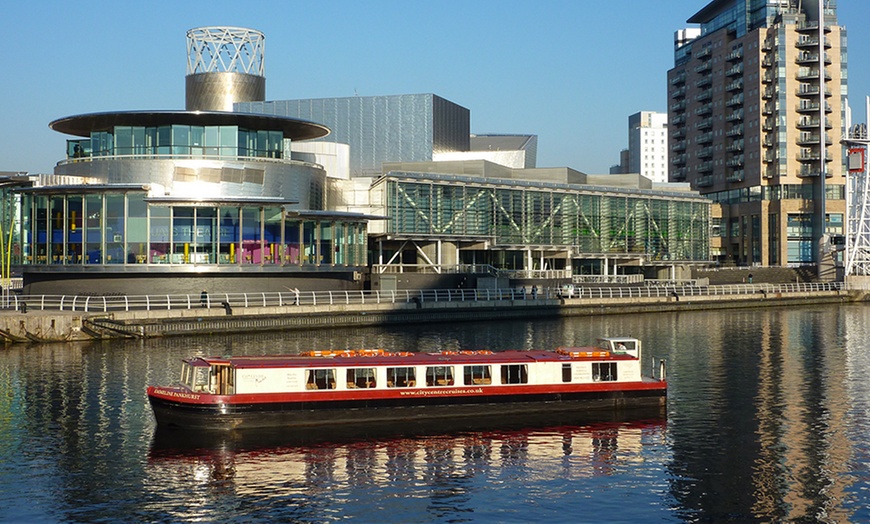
column 376, row 386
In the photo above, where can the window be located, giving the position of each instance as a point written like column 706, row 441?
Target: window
column 361, row 378
column 320, row 379
column 401, row 377
column 200, row 378
column 515, row 374
column 477, row 375
column 439, row 376
column 603, row 371
column 566, row 372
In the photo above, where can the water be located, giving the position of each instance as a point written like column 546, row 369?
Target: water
column 768, row 420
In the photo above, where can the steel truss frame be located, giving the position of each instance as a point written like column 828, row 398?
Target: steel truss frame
column 221, row 49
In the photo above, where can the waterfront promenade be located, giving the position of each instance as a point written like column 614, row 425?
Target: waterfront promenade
column 47, row 318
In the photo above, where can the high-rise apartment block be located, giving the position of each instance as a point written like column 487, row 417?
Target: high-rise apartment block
column 756, row 104
column 648, row 145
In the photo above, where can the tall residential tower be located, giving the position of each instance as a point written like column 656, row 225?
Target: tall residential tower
column 647, row 145
column 756, row 105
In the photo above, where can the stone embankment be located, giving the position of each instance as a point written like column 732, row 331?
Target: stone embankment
column 49, row 326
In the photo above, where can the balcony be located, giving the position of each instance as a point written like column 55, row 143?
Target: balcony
column 810, row 26
column 705, row 109
column 678, row 93
column 770, row 157
column 811, row 41
column 811, row 171
column 678, row 106
column 768, row 61
column 736, row 85
column 807, row 58
column 809, row 155
column 704, row 138
column 809, row 139
column 810, row 90
column 705, row 152
column 769, row 124
column 678, row 119
column 769, row 92
column 704, row 82
column 734, row 70
column 736, row 176
column 679, row 175
column 678, row 79
column 705, row 167
column 704, row 181
column 706, row 95
column 679, row 134
column 734, row 116
column 679, row 160
column 704, row 53
column 735, row 162
column 703, row 68
column 737, row 54
column 768, row 109
column 736, row 130
column 734, row 101
column 811, row 107
column 706, row 123
column 768, row 77
column 735, row 146
column 679, row 146
column 812, row 123
column 768, row 44
column 811, row 73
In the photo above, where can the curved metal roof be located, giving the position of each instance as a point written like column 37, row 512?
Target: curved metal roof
column 84, row 125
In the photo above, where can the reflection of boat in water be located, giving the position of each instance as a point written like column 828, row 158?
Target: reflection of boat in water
column 172, row 441
column 374, row 386
column 259, row 460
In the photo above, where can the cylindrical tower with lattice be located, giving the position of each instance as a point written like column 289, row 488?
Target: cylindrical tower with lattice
column 224, row 65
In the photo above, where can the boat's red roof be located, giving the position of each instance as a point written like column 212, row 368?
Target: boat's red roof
column 398, row 359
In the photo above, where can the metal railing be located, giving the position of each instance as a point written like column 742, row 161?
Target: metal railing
column 230, row 301
column 607, row 279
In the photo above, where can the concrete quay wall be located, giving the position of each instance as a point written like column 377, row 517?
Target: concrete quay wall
column 51, row 326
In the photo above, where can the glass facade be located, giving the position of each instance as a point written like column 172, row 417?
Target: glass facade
column 179, row 141
column 662, row 227
column 123, row 227
column 380, row 129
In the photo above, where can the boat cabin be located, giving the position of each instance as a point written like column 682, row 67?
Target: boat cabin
column 610, row 360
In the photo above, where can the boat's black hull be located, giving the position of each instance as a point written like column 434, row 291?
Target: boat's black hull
column 171, row 413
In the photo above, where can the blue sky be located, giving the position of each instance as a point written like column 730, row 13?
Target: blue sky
column 569, row 71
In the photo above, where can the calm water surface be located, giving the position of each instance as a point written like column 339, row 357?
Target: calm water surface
column 768, row 421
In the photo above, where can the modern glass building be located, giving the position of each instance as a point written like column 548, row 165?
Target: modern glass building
column 396, row 128
column 523, row 225
column 177, row 201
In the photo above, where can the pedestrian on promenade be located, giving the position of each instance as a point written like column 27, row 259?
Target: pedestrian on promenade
column 203, row 298
column 534, row 292
column 750, row 278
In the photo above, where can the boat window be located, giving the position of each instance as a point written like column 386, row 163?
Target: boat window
column 514, row 374
column 320, row 379
column 187, row 375
column 566, row 372
column 401, row 377
column 477, row 375
column 439, row 376
column 602, row 371
column 361, row 378
column 201, row 378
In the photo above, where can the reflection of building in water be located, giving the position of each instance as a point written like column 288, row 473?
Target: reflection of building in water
column 779, row 403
